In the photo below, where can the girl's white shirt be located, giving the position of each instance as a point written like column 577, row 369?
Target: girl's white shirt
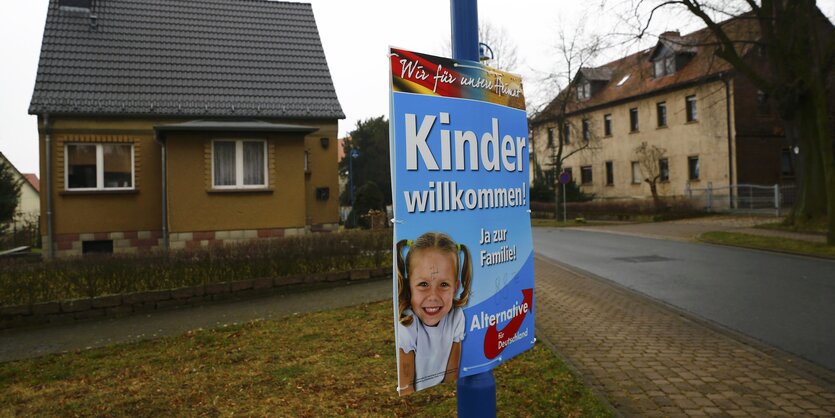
column 431, row 345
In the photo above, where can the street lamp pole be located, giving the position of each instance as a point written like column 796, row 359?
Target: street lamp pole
column 354, row 154
column 476, row 393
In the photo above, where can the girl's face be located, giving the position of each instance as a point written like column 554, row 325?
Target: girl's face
column 433, row 282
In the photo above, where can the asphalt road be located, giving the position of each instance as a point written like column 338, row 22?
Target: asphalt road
column 783, row 300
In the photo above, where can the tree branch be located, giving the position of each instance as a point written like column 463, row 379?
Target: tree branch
column 727, row 51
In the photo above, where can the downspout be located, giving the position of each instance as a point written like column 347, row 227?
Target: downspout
column 50, row 222
column 160, row 139
column 730, row 140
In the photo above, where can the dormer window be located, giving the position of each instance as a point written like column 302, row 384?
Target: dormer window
column 589, row 81
column 664, row 66
column 671, row 53
column 584, row 90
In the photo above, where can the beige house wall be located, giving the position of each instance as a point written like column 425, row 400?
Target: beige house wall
column 133, row 219
column 322, row 172
column 193, row 205
column 706, row 138
column 29, row 207
column 103, row 211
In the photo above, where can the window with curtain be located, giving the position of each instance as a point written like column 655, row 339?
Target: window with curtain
column 586, row 130
column 692, row 113
column 661, row 111
column 99, row 166
column 693, row 168
column 664, row 170
column 239, row 164
column 607, row 125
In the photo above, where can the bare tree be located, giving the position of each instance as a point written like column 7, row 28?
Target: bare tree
column 649, row 159
column 501, row 44
column 504, row 49
column 792, row 64
column 575, row 50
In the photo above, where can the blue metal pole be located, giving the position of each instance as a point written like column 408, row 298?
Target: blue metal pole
column 476, row 393
column 351, row 178
column 464, row 16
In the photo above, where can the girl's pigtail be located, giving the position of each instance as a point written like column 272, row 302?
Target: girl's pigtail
column 403, row 296
column 466, row 277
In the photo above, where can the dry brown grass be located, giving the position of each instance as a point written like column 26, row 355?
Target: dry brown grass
column 335, row 363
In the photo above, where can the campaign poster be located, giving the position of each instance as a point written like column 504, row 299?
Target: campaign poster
column 463, row 254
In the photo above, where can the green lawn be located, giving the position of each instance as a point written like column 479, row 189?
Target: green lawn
column 769, row 243
column 334, row 363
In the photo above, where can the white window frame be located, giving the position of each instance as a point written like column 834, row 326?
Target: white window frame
column 99, row 167
column 239, row 165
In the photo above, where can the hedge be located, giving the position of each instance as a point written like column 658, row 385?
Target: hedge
column 25, row 282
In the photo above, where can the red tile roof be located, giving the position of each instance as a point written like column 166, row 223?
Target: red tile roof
column 632, row 76
column 33, row 180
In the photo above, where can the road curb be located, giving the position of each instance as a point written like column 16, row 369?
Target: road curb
column 699, row 238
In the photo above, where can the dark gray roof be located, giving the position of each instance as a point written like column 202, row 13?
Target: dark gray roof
column 239, row 126
column 674, row 43
column 596, row 74
column 191, row 58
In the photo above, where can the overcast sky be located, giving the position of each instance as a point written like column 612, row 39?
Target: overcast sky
column 356, row 35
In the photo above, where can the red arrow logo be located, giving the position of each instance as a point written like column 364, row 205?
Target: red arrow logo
column 495, row 341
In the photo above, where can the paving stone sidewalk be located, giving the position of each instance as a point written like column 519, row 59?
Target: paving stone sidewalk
column 649, row 360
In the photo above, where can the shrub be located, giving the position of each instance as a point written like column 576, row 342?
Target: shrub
column 91, row 276
column 368, row 198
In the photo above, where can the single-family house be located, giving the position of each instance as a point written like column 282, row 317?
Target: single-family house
column 29, row 201
column 183, row 124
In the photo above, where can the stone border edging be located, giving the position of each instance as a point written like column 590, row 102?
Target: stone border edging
column 700, row 238
column 69, row 311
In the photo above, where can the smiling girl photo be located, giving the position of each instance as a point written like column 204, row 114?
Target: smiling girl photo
column 433, row 285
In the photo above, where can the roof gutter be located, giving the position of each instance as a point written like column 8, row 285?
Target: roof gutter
column 159, row 138
column 730, row 139
column 50, row 221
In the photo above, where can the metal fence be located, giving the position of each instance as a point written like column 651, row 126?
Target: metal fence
column 748, row 198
